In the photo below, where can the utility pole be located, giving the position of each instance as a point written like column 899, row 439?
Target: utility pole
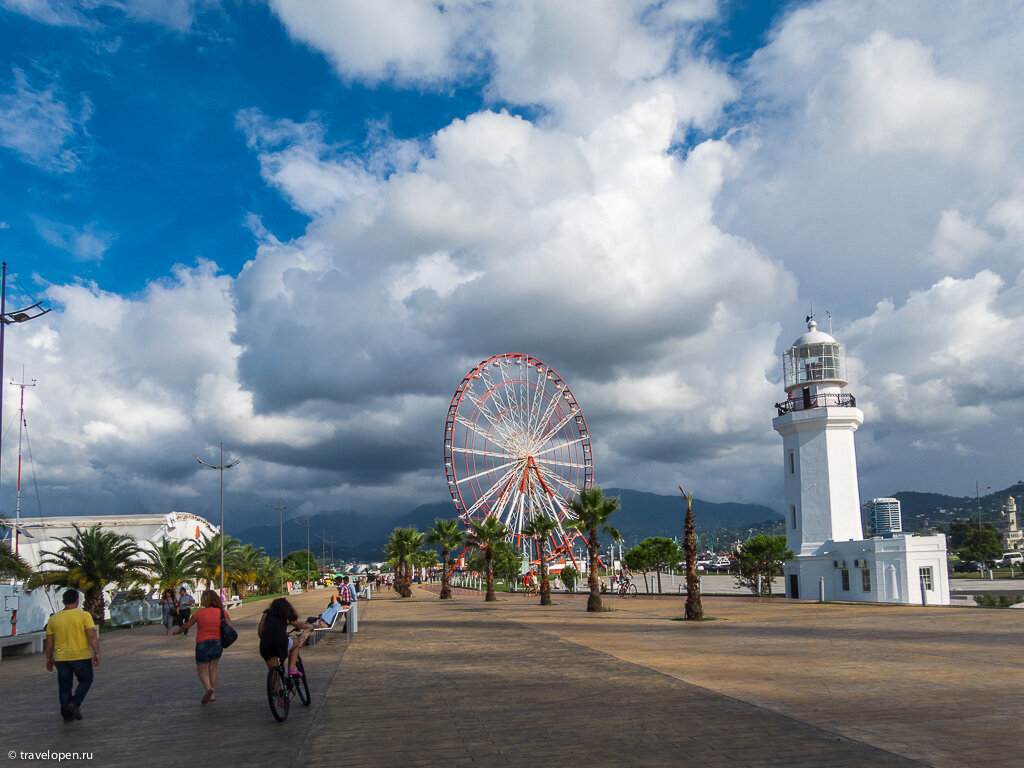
column 307, row 526
column 977, row 494
column 21, row 423
column 222, row 466
column 281, row 507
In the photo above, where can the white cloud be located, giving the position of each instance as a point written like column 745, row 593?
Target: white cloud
column 958, row 240
column 39, row 126
column 175, row 14
column 86, row 244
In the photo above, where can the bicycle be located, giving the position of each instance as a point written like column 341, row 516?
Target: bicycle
column 281, row 687
column 627, row 588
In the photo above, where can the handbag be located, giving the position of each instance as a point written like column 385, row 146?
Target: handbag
column 228, row 634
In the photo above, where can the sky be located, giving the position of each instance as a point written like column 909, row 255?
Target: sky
column 292, row 226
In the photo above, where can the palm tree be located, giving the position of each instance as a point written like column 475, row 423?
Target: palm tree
column 541, row 527
column 243, row 568
column 447, row 534
column 89, row 561
column 484, row 536
column 592, row 511
column 401, row 545
column 268, row 575
column 12, row 566
column 425, row 559
column 694, row 606
column 208, row 566
column 171, row 563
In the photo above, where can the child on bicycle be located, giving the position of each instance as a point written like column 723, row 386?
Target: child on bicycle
column 275, row 642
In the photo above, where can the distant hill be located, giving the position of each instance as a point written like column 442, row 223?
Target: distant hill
column 643, row 514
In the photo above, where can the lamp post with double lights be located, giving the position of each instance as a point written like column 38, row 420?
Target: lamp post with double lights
column 222, row 466
column 22, row 315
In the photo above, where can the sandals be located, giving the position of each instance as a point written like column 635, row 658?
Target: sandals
column 208, row 696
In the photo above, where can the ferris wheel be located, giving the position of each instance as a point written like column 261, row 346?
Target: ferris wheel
column 516, row 446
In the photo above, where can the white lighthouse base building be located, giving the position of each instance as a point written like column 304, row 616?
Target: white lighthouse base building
column 903, row 569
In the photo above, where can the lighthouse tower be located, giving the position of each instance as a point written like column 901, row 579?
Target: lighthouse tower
column 832, row 559
column 817, row 422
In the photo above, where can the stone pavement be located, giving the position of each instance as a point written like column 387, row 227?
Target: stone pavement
column 512, row 683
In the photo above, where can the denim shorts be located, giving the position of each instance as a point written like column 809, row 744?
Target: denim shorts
column 207, row 651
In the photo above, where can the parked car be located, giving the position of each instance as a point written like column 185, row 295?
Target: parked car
column 1010, row 558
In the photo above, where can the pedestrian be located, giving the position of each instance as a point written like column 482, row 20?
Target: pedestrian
column 169, row 608
column 73, row 646
column 346, row 594
column 185, row 603
column 208, row 647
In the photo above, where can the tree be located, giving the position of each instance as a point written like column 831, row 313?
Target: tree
column 762, row 556
column 638, row 558
column 569, row 577
column 269, row 574
column 981, row 544
column 244, row 568
column 425, row 559
column 402, row 544
column 508, row 561
column 300, row 566
column 694, row 605
column 171, row 563
column 447, row 534
column 662, row 553
column 591, row 512
column 12, row 566
column 484, row 537
column 541, row 529
column 208, row 566
column 89, row 561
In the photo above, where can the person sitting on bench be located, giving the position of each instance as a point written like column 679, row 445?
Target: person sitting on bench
column 326, row 618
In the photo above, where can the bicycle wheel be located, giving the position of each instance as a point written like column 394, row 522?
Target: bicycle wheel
column 277, row 693
column 301, row 685
column 631, row 590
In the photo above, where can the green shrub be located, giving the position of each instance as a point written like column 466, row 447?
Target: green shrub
column 998, row 601
column 569, row 577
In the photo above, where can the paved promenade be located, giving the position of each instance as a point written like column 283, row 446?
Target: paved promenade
column 424, row 683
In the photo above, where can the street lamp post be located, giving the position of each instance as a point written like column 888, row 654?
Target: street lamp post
column 307, row 526
column 221, row 467
column 6, row 318
column 281, row 507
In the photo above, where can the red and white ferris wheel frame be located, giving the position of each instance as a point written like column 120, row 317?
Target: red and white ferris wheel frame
column 516, row 445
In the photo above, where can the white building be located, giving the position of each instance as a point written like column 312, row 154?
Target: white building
column 823, row 512
column 41, row 534
column 884, row 516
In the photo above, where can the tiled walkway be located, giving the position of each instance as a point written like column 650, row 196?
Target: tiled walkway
column 508, row 684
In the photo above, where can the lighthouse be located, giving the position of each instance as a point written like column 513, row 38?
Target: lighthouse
column 817, row 422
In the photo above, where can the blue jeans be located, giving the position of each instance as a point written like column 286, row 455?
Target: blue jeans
column 67, row 673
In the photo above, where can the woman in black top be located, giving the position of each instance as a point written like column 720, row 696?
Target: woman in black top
column 273, row 631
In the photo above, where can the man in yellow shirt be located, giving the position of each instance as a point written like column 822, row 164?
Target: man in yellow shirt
column 73, row 645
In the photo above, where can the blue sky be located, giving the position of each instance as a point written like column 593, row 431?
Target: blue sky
column 293, row 226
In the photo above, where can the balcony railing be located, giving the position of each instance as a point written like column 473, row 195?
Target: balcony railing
column 817, row 401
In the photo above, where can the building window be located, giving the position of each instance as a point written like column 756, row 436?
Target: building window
column 865, row 578
column 846, row 579
column 926, row 578
column 792, row 516
column 792, row 463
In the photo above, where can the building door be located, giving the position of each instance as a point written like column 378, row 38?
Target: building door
column 794, row 586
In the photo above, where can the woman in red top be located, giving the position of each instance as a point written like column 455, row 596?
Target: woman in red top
column 208, row 648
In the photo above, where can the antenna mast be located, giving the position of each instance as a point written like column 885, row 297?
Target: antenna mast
column 21, row 424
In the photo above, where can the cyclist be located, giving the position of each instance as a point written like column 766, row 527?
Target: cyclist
column 273, row 632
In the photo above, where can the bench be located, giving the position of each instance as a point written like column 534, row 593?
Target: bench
column 338, row 624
